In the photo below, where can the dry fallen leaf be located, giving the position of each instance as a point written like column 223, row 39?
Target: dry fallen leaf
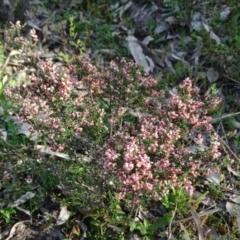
column 225, row 13
column 234, row 210
column 211, row 33
column 138, row 55
column 123, row 9
column 46, row 33
column 169, row 65
column 22, row 199
column 14, row 228
column 209, row 231
column 196, row 22
column 212, row 75
column 24, row 129
column 235, row 199
column 147, row 40
column 161, row 27
column 198, row 222
column 63, row 216
column 214, row 176
column 235, row 173
column 3, row 134
column 45, row 150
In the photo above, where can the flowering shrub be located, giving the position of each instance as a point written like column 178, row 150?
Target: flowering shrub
column 156, row 153
column 165, row 144
column 13, row 39
column 53, row 106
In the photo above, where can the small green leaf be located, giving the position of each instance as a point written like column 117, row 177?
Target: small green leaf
column 142, row 229
column 1, row 87
column 162, row 222
column 6, row 214
column 133, row 226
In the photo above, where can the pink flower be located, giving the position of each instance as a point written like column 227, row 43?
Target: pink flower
column 148, row 186
column 188, row 187
column 199, row 139
column 128, row 166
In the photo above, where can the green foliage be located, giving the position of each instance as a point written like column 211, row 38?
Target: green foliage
column 7, row 214
column 99, row 21
column 215, row 190
column 176, row 199
column 148, row 228
column 143, row 227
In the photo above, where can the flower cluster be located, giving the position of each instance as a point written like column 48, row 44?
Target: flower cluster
column 14, row 40
column 51, row 104
column 121, row 82
column 161, row 148
column 159, row 154
column 136, row 172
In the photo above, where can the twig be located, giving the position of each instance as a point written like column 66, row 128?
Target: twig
column 234, row 80
column 170, row 224
column 200, row 215
column 13, row 229
column 230, row 150
column 214, row 120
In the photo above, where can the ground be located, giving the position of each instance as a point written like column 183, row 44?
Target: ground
column 46, row 195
